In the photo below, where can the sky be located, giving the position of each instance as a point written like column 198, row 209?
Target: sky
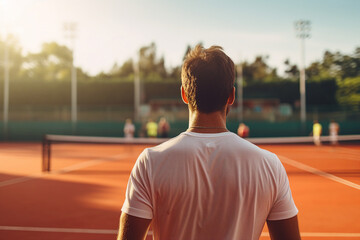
column 112, row 31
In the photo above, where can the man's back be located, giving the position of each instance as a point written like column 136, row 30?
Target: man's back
column 209, row 186
column 208, row 183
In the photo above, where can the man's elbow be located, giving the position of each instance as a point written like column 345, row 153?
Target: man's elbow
column 286, row 229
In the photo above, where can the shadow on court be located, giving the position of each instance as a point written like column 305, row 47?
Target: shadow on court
column 52, row 203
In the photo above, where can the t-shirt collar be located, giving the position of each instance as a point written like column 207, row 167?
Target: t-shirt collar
column 196, row 134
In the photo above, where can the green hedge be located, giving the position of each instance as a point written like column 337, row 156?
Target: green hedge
column 122, row 93
column 34, row 131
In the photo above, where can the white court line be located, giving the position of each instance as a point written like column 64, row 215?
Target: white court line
column 21, row 179
column 111, row 231
column 90, row 163
column 321, row 234
column 318, row 172
column 58, row 230
column 317, row 234
column 64, row 170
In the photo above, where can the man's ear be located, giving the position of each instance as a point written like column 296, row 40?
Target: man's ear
column 183, row 95
column 231, row 98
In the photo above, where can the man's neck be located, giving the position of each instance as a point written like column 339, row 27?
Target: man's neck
column 214, row 122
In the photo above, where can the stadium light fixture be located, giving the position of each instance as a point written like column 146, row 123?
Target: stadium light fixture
column 302, row 28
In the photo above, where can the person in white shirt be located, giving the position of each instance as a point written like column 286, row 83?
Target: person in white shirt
column 334, row 132
column 129, row 129
column 208, row 183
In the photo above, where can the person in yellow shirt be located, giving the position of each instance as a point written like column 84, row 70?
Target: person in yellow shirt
column 317, row 130
column 151, row 129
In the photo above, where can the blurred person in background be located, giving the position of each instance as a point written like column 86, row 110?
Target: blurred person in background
column 316, row 132
column 129, row 129
column 163, row 128
column 151, row 129
column 334, row 132
column 208, row 183
column 243, row 130
column 142, row 132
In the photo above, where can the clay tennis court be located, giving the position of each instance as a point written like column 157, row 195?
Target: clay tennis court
column 82, row 196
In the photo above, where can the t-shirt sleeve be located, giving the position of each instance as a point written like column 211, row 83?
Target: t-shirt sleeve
column 284, row 206
column 138, row 192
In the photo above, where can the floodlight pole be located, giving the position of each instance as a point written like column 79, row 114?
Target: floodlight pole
column 6, row 71
column 302, row 28
column 6, row 88
column 302, row 82
column 239, row 82
column 70, row 33
column 136, row 67
column 73, row 92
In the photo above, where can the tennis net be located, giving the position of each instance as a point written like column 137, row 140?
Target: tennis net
column 49, row 140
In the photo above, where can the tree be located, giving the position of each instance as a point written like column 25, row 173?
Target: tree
column 150, row 66
column 52, row 63
column 349, row 91
column 292, row 71
column 259, row 71
column 340, row 66
column 126, row 70
column 175, row 73
column 349, row 66
column 314, row 71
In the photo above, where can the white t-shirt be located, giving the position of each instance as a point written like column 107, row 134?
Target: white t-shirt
column 208, row 186
column 129, row 130
column 333, row 129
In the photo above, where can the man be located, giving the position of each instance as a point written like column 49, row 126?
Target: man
column 208, row 183
column 317, row 130
column 243, row 130
column 163, row 128
column 129, row 129
column 334, row 132
column 151, row 129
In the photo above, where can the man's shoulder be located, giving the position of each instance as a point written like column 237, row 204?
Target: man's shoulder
column 228, row 142
column 231, row 147
column 250, row 152
column 171, row 143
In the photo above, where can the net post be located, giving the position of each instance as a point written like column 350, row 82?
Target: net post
column 45, row 154
column 48, row 156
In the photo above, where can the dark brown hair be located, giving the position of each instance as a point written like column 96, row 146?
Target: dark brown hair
column 208, row 78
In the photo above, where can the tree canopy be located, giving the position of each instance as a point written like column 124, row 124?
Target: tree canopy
column 53, row 64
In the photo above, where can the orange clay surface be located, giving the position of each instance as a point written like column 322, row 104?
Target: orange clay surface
column 82, row 196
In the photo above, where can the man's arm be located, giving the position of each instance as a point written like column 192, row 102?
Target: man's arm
column 284, row 229
column 133, row 228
